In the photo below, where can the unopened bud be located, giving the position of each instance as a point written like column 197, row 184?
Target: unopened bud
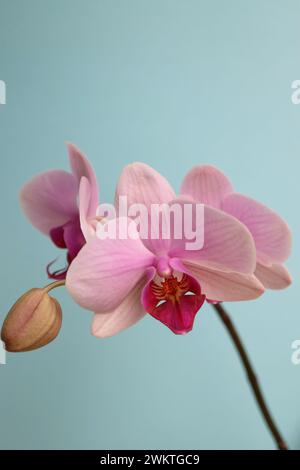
column 33, row 321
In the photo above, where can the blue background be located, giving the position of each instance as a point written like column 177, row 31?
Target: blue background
column 173, row 84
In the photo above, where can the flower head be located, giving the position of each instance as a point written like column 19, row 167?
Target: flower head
column 123, row 278
column 270, row 232
column 61, row 205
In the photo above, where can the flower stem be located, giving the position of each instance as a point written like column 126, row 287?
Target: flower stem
column 281, row 445
column 54, row 284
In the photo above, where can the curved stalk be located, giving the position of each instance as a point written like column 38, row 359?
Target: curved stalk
column 54, row 284
column 281, row 445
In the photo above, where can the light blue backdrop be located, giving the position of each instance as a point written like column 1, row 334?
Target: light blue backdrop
column 171, row 83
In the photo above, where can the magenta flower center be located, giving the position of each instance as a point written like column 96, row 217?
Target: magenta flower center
column 170, row 289
column 173, row 299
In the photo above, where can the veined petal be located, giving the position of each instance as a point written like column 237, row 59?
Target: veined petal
column 80, row 167
column 227, row 243
column 270, row 232
column 49, row 199
column 206, row 184
column 85, row 194
column 223, row 286
column 129, row 312
column 143, row 185
column 275, row 276
column 105, row 271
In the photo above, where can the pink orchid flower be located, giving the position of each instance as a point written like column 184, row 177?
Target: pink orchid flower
column 270, row 232
column 62, row 205
column 122, row 279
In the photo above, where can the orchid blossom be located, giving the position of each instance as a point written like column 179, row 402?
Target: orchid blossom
column 122, row 279
column 63, row 205
column 270, row 232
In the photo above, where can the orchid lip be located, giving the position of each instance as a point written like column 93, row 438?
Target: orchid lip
column 174, row 299
column 68, row 236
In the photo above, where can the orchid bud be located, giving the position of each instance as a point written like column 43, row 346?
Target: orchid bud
column 32, row 322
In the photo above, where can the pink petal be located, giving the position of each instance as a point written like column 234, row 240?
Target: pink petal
column 105, row 271
column 81, row 167
column 178, row 315
column 228, row 245
column 275, row 276
column 223, row 286
column 129, row 312
column 157, row 243
column 271, row 233
column 206, row 184
column 49, row 199
column 86, row 219
column 143, row 185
